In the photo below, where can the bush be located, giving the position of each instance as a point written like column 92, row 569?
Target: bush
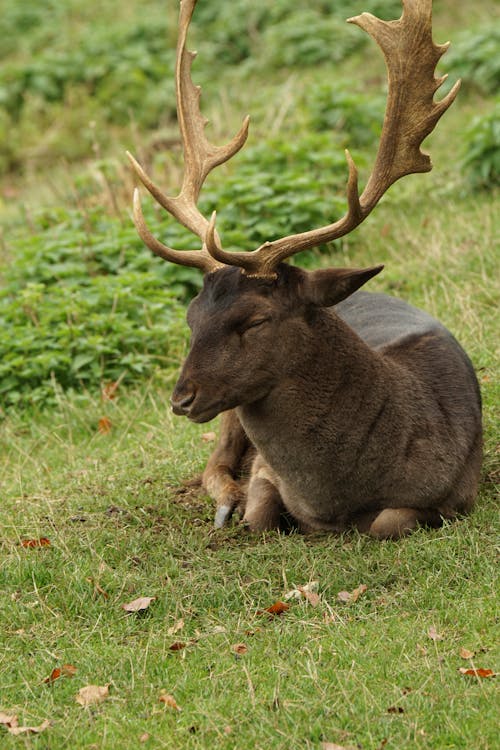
column 475, row 59
column 86, row 302
column 482, row 150
column 356, row 117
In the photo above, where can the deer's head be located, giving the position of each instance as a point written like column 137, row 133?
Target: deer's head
column 251, row 301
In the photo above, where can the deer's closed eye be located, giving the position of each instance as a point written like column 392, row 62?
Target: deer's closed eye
column 254, row 323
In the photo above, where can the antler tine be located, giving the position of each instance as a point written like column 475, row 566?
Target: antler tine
column 411, row 114
column 200, row 157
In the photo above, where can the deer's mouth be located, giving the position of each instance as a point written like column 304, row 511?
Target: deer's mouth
column 195, row 409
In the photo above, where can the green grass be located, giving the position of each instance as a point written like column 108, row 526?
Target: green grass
column 362, row 675
column 108, row 504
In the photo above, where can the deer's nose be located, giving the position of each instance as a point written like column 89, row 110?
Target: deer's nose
column 182, row 399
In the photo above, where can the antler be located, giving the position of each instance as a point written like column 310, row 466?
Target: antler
column 411, row 114
column 200, row 157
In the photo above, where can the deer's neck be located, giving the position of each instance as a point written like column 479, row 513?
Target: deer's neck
column 325, row 412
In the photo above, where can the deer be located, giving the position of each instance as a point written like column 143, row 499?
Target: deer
column 341, row 409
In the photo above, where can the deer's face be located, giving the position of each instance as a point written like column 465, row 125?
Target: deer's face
column 249, row 334
column 240, row 334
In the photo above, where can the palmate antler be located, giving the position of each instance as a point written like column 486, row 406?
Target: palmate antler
column 200, row 157
column 411, row 58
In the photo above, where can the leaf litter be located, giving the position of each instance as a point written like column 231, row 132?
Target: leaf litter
column 11, row 723
column 92, row 694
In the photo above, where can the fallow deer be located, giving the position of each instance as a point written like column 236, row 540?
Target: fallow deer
column 354, row 409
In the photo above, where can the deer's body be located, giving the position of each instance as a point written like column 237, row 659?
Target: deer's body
column 352, row 410
column 368, row 414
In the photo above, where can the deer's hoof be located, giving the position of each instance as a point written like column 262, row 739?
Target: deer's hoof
column 222, row 515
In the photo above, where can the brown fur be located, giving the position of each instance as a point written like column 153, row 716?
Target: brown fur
column 380, row 437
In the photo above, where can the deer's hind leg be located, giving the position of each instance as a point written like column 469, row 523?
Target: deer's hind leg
column 226, row 474
column 393, row 523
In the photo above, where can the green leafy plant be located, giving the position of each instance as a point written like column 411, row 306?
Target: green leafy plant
column 482, row 150
column 474, row 58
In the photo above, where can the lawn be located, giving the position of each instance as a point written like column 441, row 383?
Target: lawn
column 96, row 511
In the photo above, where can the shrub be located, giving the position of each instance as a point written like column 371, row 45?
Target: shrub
column 482, row 150
column 85, row 302
column 474, row 58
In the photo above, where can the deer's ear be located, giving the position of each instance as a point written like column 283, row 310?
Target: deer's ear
column 328, row 286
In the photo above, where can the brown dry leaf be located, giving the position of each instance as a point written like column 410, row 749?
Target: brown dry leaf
column 169, row 701
column 67, row 670
column 16, row 730
column 30, row 543
column 91, row 694
column 54, row 675
column 239, row 648
column 334, row 746
column 144, row 737
column 433, row 634
column 395, row 710
column 209, row 437
column 352, row 596
column 311, row 596
column 276, row 609
column 480, row 672
column 466, row 654
column 307, row 591
column 177, row 646
column 175, row 628
column 139, row 604
column 104, row 425
column 8, row 719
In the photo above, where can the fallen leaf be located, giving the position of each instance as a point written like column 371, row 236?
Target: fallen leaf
column 177, row 646
column 91, row 694
column 466, row 654
column 144, row 737
column 8, row 719
column 139, row 604
column 307, row 591
column 209, row 437
column 478, row 672
column 104, row 425
column 16, row 730
column 333, row 746
column 239, row 648
column 276, row 609
column 311, row 596
column 352, row 596
column 395, row 710
column 67, row 670
column 175, row 628
column 228, row 729
column 433, row 634
column 53, row 676
column 29, row 543
column 169, row 701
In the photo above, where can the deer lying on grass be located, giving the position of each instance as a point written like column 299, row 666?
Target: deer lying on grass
column 354, row 409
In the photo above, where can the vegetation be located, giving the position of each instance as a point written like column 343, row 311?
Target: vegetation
column 92, row 335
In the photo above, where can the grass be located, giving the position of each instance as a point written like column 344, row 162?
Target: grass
column 380, row 672
column 360, row 674
column 356, row 674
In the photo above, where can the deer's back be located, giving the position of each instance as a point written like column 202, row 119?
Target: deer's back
column 424, row 346
column 383, row 321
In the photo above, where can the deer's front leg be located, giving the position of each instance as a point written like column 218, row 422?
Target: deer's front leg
column 226, row 474
column 264, row 507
